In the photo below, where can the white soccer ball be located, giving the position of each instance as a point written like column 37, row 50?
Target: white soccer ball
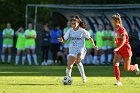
column 67, row 80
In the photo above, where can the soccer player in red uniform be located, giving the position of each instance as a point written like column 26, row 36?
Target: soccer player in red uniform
column 122, row 50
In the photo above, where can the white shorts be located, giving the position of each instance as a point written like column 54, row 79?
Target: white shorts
column 30, row 47
column 74, row 53
column 107, row 47
column 7, row 45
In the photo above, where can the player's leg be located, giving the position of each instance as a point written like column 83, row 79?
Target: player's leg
column 80, row 57
column 9, row 53
column 95, row 56
column 3, row 55
column 71, row 61
column 109, row 55
column 87, row 57
column 17, row 56
column 43, row 55
column 102, row 58
column 46, row 53
column 116, row 61
column 28, row 55
column 34, row 55
column 128, row 67
column 23, row 56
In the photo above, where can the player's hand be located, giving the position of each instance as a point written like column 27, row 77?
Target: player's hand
column 114, row 42
column 116, row 49
column 95, row 47
column 60, row 39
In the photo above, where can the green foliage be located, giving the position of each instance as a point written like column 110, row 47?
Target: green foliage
column 14, row 10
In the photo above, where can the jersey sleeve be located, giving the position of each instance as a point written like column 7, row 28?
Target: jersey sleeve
column 122, row 31
column 25, row 33
column 112, row 34
column 3, row 33
column 91, row 33
column 12, row 32
column 67, row 35
column 86, row 34
column 34, row 32
column 103, row 33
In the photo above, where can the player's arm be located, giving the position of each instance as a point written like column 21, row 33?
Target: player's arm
column 64, row 38
column 111, row 37
column 122, row 43
column 103, row 36
column 61, row 39
column 16, row 33
column 92, row 41
column 3, row 34
column 11, row 36
column 29, row 37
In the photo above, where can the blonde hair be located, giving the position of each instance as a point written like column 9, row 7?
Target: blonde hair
column 117, row 17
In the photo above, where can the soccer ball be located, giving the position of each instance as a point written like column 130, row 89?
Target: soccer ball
column 67, row 80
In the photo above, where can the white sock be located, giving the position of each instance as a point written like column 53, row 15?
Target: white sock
column 102, row 59
column 81, row 70
column 23, row 59
column 109, row 58
column 17, row 59
column 68, row 72
column 35, row 59
column 3, row 58
column 29, row 58
column 94, row 60
column 9, row 58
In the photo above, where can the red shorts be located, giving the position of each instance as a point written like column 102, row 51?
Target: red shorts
column 125, row 51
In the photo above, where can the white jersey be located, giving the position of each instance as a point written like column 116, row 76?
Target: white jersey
column 77, row 39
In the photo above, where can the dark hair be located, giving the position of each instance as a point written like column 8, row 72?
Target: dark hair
column 78, row 19
column 101, row 25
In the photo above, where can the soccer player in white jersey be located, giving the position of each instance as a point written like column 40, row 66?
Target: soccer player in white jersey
column 77, row 50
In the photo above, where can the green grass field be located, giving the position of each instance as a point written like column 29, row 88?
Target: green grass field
column 48, row 79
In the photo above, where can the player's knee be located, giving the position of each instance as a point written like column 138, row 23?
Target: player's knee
column 69, row 67
column 78, row 60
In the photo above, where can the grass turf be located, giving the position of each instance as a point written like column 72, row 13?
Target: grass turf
column 48, row 79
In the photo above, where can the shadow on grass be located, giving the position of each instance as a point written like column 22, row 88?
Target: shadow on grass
column 91, row 71
column 34, row 84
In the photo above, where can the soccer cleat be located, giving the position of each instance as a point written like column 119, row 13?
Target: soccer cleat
column 118, row 83
column 84, row 79
column 137, row 69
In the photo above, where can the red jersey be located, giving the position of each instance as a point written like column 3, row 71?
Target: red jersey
column 121, row 31
column 125, row 50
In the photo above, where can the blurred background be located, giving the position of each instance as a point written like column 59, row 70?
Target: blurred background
column 93, row 12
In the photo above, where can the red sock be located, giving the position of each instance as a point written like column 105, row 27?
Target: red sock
column 117, row 72
column 132, row 68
